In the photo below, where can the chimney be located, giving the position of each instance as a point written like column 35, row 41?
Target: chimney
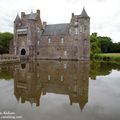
column 38, row 12
column 44, row 24
column 22, row 14
column 72, row 14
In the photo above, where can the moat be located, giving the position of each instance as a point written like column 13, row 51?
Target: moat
column 60, row 90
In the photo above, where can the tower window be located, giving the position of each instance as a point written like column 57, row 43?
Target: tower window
column 70, row 31
column 85, row 28
column 62, row 40
column 81, row 29
column 76, row 31
column 49, row 40
column 76, row 23
column 19, row 24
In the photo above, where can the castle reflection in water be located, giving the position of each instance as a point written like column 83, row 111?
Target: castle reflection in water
column 32, row 80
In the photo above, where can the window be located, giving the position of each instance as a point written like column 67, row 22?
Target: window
column 81, row 29
column 38, row 42
column 65, row 53
column 61, row 78
column 70, row 31
column 62, row 40
column 48, row 77
column 76, row 30
column 19, row 24
column 76, row 23
column 37, row 53
column 49, row 40
column 65, row 66
column 85, row 28
column 22, row 30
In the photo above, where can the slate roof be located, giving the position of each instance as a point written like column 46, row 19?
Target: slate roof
column 31, row 16
column 84, row 13
column 56, row 29
column 17, row 18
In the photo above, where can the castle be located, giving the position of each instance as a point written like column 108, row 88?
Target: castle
column 34, row 39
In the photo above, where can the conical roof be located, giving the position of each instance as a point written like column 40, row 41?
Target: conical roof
column 82, row 103
column 17, row 19
column 84, row 13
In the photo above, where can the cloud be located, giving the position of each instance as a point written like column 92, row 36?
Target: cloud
column 73, row 1
column 100, row 0
column 104, row 14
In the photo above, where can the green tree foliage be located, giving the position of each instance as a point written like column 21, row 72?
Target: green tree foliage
column 102, row 68
column 5, row 39
column 94, row 44
column 115, row 48
column 103, row 44
column 5, row 73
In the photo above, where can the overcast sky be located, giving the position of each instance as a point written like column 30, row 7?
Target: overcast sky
column 104, row 14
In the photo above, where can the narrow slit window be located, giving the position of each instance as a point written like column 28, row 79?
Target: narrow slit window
column 62, row 40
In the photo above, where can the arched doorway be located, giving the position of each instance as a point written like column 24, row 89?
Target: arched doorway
column 23, row 66
column 23, row 52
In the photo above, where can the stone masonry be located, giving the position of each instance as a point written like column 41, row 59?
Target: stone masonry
column 34, row 39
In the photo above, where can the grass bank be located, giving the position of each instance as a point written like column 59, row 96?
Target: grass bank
column 107, row 57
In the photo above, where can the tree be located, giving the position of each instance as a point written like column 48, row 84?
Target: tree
column 105, row 44
column 5, row 39
column 94, row 44
column 115, row 48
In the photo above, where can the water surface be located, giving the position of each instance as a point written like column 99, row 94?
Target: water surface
column 66, row 90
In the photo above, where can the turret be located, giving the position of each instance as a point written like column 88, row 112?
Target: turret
column 17, row 19
column 84, row 14
column 80, row 29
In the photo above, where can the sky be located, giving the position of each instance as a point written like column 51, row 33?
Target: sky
column 104, row 14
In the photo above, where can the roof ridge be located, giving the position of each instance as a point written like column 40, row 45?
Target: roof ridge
column 59, row 24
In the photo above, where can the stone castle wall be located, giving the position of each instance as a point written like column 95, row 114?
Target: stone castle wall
column 34, row 40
